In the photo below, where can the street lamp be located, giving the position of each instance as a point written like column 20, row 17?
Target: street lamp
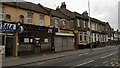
column 90, row 27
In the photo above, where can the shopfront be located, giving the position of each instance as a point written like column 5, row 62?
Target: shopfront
column 34, row 39
column 7, row 38
column 64, row 40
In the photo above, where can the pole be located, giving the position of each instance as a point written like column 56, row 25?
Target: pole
column 90, row 26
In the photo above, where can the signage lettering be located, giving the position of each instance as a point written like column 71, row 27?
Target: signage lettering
column 7, row 27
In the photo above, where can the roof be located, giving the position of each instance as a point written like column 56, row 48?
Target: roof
column 80, row 15
column 68, row 13
column 108, row 25
column 97, row 21
column 56, row 13
column 27, row 6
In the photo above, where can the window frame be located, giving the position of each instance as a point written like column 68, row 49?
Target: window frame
column 78, row 22
column 84, row 23
column 64, row 24
column 22, row 18
column 29, row 18
column 42, row 21
column 56, row 23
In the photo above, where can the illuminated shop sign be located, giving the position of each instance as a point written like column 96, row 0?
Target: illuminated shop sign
column 7, row 27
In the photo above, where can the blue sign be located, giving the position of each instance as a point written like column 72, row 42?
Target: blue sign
column 7, row 27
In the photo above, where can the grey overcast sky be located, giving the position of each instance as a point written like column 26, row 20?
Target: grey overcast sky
column 104, row 10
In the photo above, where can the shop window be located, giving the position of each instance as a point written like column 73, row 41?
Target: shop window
column 42, row 20
column 30, row 18
column 8, row 17
column 78, row 23
column 45, row 41
column 25, row 48
column 21, row 18
column 26, row 40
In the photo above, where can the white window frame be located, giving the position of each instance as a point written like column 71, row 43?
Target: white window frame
column 84, row 23
column 63, row 22
column 42, row 21
column 26, row 40
column 81, row 39
column 1, row 13
column 78, row 22
column 56, row 23
column 30, row 18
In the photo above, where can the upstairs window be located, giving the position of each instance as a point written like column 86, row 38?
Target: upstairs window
column 1, row 12
column 42, row 20
column 63, row 22
column 30, row 18
column 56, row 23
column 21, row 18
column 8, row 17
column 84, row 24
column 78, row 23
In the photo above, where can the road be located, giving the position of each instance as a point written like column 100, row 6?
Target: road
column 104, row 57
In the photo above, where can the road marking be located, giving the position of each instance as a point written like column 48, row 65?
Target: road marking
column 80, row 55
column 62, row 55
column 86, row 53
column 105, row 62
column 85, row 63
column 107, row 56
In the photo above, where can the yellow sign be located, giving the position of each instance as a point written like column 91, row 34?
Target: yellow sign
column 76, row 31
column 65, row 31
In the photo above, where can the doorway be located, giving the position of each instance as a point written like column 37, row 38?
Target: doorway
column 10, row 46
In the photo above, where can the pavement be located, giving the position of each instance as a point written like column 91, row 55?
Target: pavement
column 16, row 61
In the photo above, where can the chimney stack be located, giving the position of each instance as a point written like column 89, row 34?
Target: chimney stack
column 63, row 5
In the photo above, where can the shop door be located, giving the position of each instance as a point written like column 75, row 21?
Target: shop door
column 2, row 44
column 58, row 43
column 37, row 46
column 10, row 46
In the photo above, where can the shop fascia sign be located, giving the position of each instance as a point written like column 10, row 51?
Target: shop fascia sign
column 65, row 31
column 7, row 27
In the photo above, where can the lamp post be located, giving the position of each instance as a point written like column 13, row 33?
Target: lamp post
column 117, row 36
column 90, row 26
